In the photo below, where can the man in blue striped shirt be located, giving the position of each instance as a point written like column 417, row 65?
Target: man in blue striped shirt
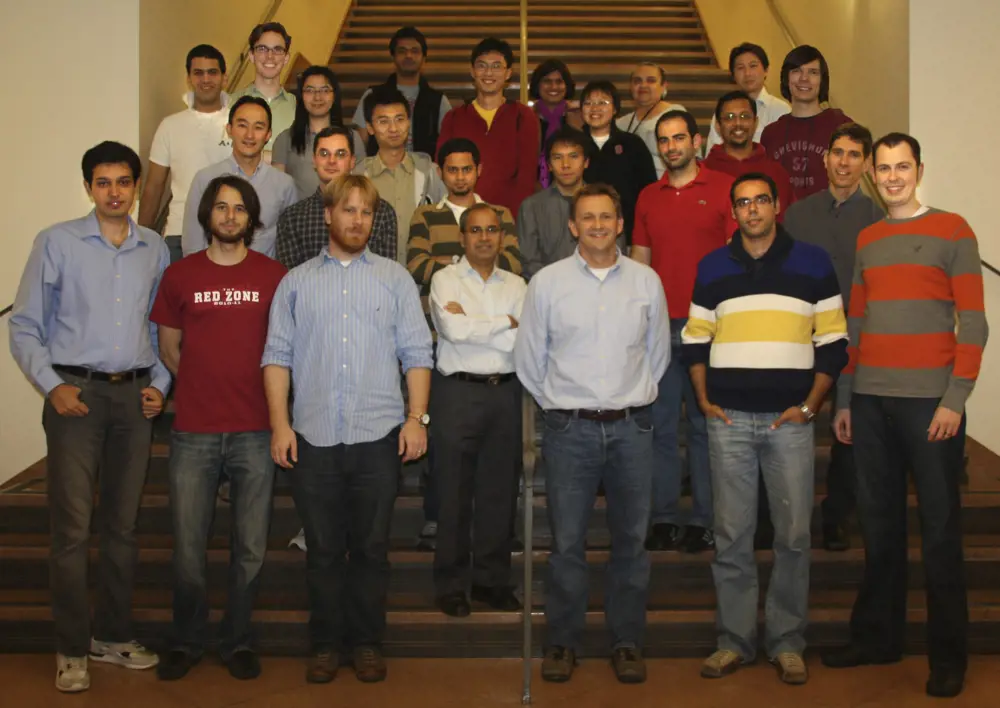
column 341, row 323
column 80, row 332
column 593, row 341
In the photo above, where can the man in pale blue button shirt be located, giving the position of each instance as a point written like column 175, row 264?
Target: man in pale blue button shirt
column 341, row 324
column 593, row 341
column 80, row 331
column 249, row 128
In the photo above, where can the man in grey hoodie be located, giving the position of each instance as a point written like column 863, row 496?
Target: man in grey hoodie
column 405, row 179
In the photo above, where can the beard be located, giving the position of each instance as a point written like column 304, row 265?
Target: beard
column 242, row 235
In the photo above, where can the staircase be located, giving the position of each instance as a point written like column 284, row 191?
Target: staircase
column 597, row 39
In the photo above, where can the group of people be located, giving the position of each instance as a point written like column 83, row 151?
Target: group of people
column 341, row 287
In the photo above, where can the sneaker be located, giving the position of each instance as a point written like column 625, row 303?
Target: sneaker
column 131, row 655
column 664, row 537
column 697, row 539
column 299, row 541
column 71, row 673
column 721, row 663
column 558, row 664
column 791, row 668
column 428, row 536
column 628, row 665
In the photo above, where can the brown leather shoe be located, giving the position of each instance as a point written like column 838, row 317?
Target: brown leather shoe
column 558, row 664
column 323, row 666
column 629, row 665
column 369, row 664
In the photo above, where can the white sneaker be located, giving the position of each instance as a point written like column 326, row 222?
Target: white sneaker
column 299, row 541
column 791, row 667
column 131, row 655
column 71, row 673
column 721, row 663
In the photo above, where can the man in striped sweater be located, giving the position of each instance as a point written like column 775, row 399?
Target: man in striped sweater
column 765, row 340
column 901, row 402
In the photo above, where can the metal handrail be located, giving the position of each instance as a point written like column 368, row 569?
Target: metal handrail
column 6, row 310
column 244, row 60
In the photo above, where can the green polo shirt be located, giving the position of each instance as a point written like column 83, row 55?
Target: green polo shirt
column 282, row 110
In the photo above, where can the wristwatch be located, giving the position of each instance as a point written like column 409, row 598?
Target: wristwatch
column 810, row 415
column 422, row 418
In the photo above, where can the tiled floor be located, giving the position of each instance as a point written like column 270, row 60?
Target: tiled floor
column 453, row 683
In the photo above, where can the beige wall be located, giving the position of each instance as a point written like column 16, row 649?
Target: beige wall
column 953, row 110
column 84, row 90
column 865, row 43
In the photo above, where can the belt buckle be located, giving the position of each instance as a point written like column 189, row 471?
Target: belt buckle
column 493, row 380
column 116, row 378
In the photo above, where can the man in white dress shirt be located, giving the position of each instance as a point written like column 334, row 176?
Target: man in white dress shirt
column 476, row 307
column 748, row 66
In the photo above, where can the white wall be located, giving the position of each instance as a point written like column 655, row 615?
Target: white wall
column 79, row 85
column 953, row 113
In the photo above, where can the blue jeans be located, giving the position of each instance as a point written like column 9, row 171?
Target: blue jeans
column 785, row 458
column 579, row 454
column 197, row 461
column 675, row 386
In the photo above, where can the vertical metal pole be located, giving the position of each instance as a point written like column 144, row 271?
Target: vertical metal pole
column 523, row 62
column 528, row 441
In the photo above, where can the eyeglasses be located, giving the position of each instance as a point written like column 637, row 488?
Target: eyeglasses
column 759, row 200
column 482, row 67
column 730, row 117
column 262, row 50
column 317, row 91
column 603, row 103
column 340, row 154
column 478, row 230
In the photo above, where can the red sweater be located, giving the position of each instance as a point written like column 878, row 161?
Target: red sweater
column 799, row 143
column 721, row 161
column 508, row 150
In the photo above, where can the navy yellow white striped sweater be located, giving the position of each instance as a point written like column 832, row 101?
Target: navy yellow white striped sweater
column 765, row 326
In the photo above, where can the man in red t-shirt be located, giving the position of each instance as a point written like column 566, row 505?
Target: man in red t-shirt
column 680, row 219
column 216, row 303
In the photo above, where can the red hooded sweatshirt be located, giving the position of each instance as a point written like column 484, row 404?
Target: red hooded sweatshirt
column 721, row 161
column 799, row 143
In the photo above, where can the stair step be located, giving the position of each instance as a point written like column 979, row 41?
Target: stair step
column 511, row 32
column 433, row 11
column 678, row 55
column 537, row 23
column 537, row 45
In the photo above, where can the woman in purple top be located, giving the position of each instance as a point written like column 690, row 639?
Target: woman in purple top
column 551, row 92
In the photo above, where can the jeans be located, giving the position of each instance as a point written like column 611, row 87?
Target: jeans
column 675, row 387
column 106, row 451
column 742, row 453
column 580, row 454
column 197, row 462
column 344, row 495
column 890, row 434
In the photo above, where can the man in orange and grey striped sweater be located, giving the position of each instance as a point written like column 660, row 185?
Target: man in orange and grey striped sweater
column 901, row 403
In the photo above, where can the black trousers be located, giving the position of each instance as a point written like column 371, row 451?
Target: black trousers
column 890, row 436
column 476, row 453
column 841, row 484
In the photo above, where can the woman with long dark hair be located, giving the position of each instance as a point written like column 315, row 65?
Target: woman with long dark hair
column 317, row 106
column 551, row 91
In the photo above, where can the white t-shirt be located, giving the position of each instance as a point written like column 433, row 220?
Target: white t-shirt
column 187, row 142
column 601, row 141
column 601, row 273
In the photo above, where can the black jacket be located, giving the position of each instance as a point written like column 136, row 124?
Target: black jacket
column 424, row 121
column 625, row 163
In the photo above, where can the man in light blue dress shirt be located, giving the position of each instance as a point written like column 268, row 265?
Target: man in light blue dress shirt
column 249, row 128
column 80, row 331
column 341, row 324
column 593, row 341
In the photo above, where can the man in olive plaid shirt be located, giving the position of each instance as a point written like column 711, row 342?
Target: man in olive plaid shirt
column 302, row 229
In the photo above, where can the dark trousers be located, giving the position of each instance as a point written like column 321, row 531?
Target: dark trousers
column 476, row 454
column 106, row 451
column 841, row 484
column 344, row 495
column 890, row 435
column 197, row 463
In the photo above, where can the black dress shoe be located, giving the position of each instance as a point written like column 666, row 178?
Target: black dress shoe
column 501, row 598
column 945, row 683
column 243, row 665
column 834, row 538
column 454, row 604
column 175, row 664
column 664, row 537
column 852, row 655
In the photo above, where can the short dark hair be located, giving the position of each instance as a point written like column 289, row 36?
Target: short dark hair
column 546, row 68
column 753, row 177
column 602, row 87
column 463, row 220
column 566, row 135
column 384, row 95
column 598, row 189
column 856, row 132
column 804, row 54
column 654, row 65
column 891, row 140
column 205, row 51
column 692, row 124
column 456, row 146
column 408, row 32
column 245, row 100
column 257, row 31
column 110, row 153
column 250, row 200
column 492, row 44
column 332, row 130
column 734, row 96
column 748, row 48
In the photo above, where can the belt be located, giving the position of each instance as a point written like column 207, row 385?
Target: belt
column 491, row 379
column 601, row 415
column 91, row 375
